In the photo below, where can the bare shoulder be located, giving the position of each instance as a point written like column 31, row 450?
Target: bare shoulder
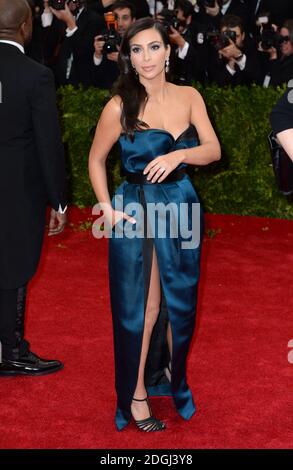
column 186, row 93
column 193, row 94
column 114, row 106
column 111, row 116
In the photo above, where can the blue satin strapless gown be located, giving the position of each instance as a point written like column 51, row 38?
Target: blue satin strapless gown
column 129, row 275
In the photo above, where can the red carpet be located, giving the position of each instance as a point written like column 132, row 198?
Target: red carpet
column 238, row 367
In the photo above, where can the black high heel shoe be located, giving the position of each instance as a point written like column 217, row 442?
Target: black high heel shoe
column 151, row 423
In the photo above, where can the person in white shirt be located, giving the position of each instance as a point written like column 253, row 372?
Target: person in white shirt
column 182, row 38
column 229, row 7
column 73, row 60
column 106, row 67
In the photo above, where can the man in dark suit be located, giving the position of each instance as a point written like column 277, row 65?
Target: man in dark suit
column 212, row 15
column 73, row 38
column 101, row 6
column 277, row 62
column 280, row 10
column 186, row 58
column 236, row 63
column 106, row 70
column 32, row 172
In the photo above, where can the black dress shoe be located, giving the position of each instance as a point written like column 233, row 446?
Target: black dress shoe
column 29, row 364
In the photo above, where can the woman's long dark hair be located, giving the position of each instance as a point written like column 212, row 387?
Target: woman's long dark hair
column 128, row 86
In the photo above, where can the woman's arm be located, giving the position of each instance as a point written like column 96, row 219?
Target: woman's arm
column 209, row 149
column 107, row 133
column 286, row 140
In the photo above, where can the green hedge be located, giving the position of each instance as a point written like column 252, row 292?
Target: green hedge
column 241, row 183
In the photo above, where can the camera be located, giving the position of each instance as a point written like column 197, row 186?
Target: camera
column 111, row 37
column 221, row 40
column 112, row 40
column 269, row 38
column 57, row 4
column 169, row 19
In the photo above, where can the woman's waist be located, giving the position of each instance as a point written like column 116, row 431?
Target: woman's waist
column 135, row 174
column 140, row 178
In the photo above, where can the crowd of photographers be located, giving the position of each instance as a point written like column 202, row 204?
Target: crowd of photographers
column 227, row 42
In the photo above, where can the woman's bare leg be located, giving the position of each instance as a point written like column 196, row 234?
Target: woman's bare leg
column 169, row 341
column 140, row 410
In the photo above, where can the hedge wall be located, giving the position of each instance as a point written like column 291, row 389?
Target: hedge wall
column 241, row 183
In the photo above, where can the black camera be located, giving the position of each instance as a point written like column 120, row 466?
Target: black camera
column 169, row 19
column 269, row 38
column 57, row 4
column 112, row 40
column 221, row 40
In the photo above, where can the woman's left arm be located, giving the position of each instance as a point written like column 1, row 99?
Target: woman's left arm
column 209, row 149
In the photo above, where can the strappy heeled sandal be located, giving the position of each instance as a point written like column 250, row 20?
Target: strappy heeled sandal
column 151, row 423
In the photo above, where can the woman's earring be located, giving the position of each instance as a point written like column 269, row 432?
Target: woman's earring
column 167, row 65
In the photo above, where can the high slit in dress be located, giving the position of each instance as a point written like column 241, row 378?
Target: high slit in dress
column 129, row 276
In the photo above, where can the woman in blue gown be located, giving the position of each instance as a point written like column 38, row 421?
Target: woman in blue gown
column 154, row 223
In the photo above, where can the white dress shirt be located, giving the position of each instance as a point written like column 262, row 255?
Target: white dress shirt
column 241, row 64
column 47, row 19
column 225, row 7
column 13, row 43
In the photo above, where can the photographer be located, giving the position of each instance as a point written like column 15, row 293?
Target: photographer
column 35, row 49
column 157, row 6
column 212, row 12
column 279, row 11
column 70, row 36
column 105, row 63
column 276, row 52
column 179, row 24
column 141, row 7
column 236, row 63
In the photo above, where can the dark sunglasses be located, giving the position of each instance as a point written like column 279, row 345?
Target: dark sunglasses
column 284, row 39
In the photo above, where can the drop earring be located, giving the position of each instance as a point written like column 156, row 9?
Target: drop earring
column 167, row 65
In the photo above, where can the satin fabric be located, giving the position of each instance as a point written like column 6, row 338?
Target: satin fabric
column 129, row 275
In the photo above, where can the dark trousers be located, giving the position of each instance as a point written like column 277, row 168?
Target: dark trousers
column 12, row 311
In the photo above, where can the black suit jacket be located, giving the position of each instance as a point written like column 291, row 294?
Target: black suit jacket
column 81, row 46
column 280, row 10
column 280, row 70
column 237, row 7
column 281, row 116
column 252, row 73
column 32, row 170
column 106, row 73
column 141, row 7
column 188, row 69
